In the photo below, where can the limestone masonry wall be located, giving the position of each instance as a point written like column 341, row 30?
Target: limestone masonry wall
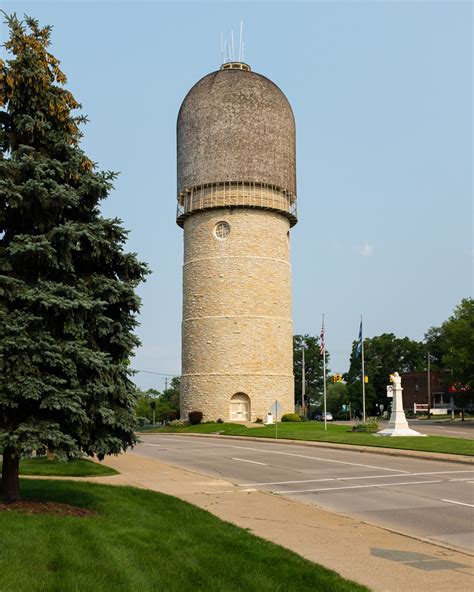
column 237, row 328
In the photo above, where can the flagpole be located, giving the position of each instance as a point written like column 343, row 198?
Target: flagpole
column 303, row 381
column 363, row 373
column 324, row 378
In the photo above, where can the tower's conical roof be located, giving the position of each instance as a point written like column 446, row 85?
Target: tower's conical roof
column 236, row 125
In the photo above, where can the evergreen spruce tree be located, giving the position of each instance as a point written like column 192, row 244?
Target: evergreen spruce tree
column 67, row 288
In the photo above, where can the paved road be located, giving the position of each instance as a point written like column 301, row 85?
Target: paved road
column 431, row 499
column 455, row 429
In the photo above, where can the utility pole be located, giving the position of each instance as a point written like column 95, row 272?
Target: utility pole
column 303, row 381
column 323, row 350
column 429, row 386
column 166, row 384
column 363, row 376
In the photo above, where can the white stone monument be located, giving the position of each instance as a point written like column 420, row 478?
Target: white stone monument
column 269, row 419
column 398, row 425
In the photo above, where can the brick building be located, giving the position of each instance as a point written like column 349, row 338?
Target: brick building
column 415, row 390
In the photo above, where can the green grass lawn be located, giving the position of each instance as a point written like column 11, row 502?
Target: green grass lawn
column 341, row 434
column 54, row 468
column 142, row 541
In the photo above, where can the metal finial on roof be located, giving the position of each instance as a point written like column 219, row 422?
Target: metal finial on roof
column 228, row 48
column 241, row 41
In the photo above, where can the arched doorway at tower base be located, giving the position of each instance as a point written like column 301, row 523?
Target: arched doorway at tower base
column 240, row 407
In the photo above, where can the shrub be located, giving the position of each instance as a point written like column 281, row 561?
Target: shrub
column 303, row 418
column 167, row 415
column 178, row 423
column 259, row 420
column 220, row 420
column 291, row 417
column 142, row 421
column 371, row 426
column 195, row 417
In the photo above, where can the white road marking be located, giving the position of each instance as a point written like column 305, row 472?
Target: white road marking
column 358, row 486
column 407, row 475
column 458, row 503
column 230, row 491
column 292, row 482
column 254, row 462
column 339, row 462
column 146, row 444
column 362, row 477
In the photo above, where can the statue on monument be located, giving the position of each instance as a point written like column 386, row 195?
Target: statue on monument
column 398, row 425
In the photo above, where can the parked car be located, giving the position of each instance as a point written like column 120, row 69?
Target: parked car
column 320, row 417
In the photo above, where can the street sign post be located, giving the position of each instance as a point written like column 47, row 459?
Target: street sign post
column 276, row 409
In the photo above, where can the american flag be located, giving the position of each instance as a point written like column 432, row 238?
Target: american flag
column 321, row 349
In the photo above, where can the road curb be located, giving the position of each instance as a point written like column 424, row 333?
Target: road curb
column 458, row 458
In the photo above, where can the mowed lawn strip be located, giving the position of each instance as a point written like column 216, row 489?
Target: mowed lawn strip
column 142, row 541
column 55, row 468
column 339, row 434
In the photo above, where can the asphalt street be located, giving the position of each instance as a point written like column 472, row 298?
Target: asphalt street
column 424, row 498
column 455, row 429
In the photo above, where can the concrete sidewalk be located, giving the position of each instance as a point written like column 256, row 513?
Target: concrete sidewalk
column 378, row 558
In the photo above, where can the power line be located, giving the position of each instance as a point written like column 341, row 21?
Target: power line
column 157, row 373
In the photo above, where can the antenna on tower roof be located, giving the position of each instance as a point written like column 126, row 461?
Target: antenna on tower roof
column 228, row 53
column 241, row 56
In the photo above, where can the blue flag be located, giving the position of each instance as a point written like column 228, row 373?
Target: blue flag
column 359, row 344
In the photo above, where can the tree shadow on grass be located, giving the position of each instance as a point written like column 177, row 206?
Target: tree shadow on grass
column 62, row 493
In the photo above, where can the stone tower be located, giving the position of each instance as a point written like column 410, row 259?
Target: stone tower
column 236, row 204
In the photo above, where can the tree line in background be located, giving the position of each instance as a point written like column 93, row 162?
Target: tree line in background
column 450, row 347
column 164, row 404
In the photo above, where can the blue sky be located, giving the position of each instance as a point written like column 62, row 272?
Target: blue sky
column 382, row 95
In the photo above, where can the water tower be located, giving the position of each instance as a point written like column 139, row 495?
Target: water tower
column 236, row 205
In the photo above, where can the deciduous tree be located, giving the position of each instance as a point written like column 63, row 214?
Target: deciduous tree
column 313, row 366
column 452, row 346
column 337, row 396
column 171, row 394
column 384, row 354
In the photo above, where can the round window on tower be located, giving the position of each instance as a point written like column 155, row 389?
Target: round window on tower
column 221, row 230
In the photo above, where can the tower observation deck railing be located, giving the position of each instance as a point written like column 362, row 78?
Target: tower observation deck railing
column 231, row 194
